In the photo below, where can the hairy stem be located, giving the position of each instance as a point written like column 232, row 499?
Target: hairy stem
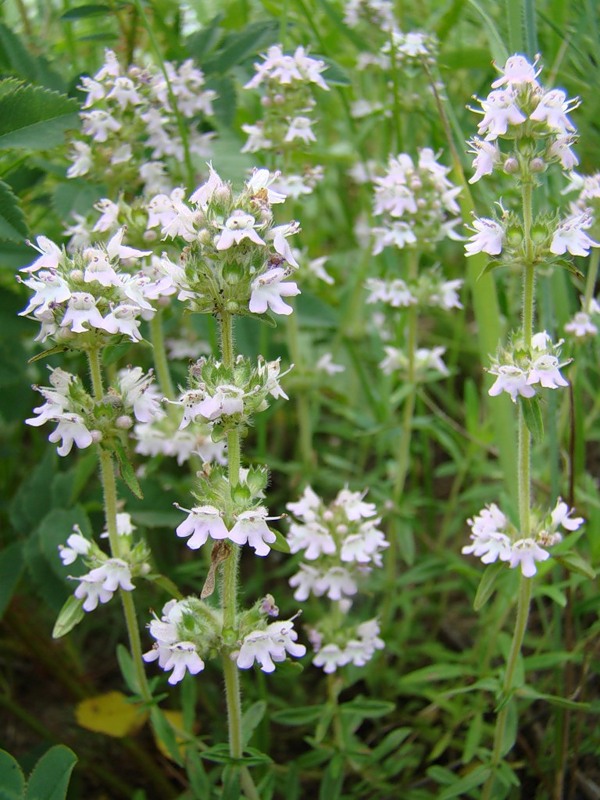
column 161, row 362
column 109, row 490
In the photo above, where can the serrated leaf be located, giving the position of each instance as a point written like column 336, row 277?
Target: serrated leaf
column 69, row 617
column 12, row 779
column 13, row 227
column 487, row 585
column 51, row 775
column 532, row 414
column 110, row 713
column 127, row 472
column 34, row 118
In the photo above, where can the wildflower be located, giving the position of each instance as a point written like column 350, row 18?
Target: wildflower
column 525, row 553
column 183, row 657
column 488, row 237
column 238, row 226
column 570, row 235
column 499, row 111
column 251, row 527
column 561, row 515
column 545, row 371
column 553, row 108
column 487, row 155
column 268, row 290
column 101, row 583
column 330, row 657
column 77, row 545
column 50, row 257
column 517, row 71
column 327, row 365
column 71, row 430
column 202, row 522
column 510, row 379
column 581, row 325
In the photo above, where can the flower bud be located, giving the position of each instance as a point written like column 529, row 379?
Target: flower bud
column 76, row 275
column 511, row 166
column 150, row 236
column 124, row 422
column 537, row 165
column 96, row 436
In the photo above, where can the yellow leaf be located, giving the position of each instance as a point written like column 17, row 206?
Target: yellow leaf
column 111, row 714
column 175, row 720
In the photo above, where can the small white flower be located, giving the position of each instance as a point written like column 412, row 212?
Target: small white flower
column 77, row 545
column 489, row 547
column 300, row 128
column 545, row 371
column 259, row 646
column 71, row 429
column 50, row 257
column 581, row 325
column 488, row 237
column 561, row 515
column 510, row 379
column 202, row 522
column 180, row 657
column 307, row 506
column 268, row 290
column 82, row 311
column 330, row 657
column 313, row 538
column 304, row 582
column 499, row 111
column 327, row 365
column 570, row 235
column 99, row 124
column 337, row 582
column 553, row 109
column 238, row 226
column 517, row 71
column 524, row 553
column 123, row 319
column 251, row 527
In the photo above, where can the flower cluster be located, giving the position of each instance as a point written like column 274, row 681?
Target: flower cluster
column 342, row 539
column 234, row 259
column 227, row 397
column 494, row 538
column 190, row 631
column 417, row 203
column 87, row 297
column 429, row 290
column 346, row 646
column 427, row 361
column 83, row 420
column 519, row 370
column 130, row 125
column 107, row 574
column 371, row 12
column 582, row 325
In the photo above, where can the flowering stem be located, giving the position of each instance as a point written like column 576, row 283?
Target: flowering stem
column 160, row 356
column 109, row 490
column 529, row 277
column 229, row 588
column 523, row 603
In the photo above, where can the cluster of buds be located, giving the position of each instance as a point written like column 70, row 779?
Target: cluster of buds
column 85, row 298
column 339, row 543
column 231, row 514
column 106, row 574
column 190, row 632
column 131, row 127
column 83, row 420
column 495, row 538
column 226, row 397
column 234, row 259
column 519, row 369
column 417, row 203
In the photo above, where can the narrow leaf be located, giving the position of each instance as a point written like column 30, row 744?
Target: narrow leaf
column 127, row 472
column 487, row 585
column 532, row 413
column 92, row 10
column 70, row 615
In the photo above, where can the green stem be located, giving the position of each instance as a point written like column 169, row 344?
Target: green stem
column 307, row 454
column 523, row 604
column 161, row 363
column 229, row 586
column 403, row 458
column 529, row 276
column 590, row 283
column 109, row 490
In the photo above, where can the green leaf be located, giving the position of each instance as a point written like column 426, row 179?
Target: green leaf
column 165, row 733
column 80, row 12
column 231, row 784
column 487, row 585
column 239, row 45
column 11, row 568
column 280, row 544
column 532, row 694
column 366, row 708
column 333, row 779
column 203, row 41
column 12, row 779
column 470, row 781
column 34, row 118
column 497, row 46
column 127, row 472
column 251, row 720
column 302, row 715
column 13, row 227
column 532, row 413
column 53, row 351
column 34, row 496
column 51, row 775
column 69, row 617
column 575, row 563
column 16, row 59
column 127, row 668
